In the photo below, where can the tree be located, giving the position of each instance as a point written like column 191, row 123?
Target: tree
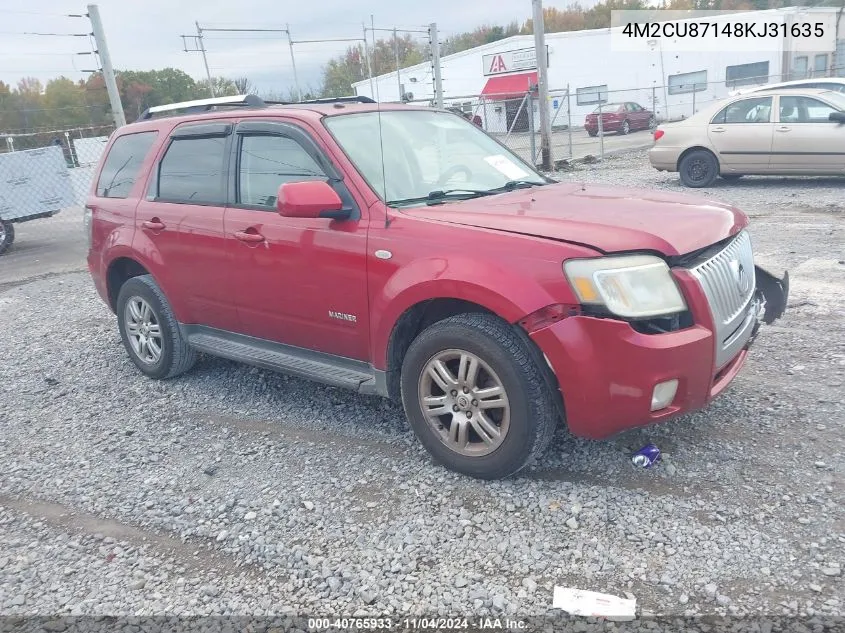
column 244, row 86
column 64, row 103
column 222, row 88
column 340, row 73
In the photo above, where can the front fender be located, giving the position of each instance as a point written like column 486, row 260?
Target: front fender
column 508, row 294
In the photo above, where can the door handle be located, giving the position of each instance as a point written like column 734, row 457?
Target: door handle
column 243, row 236
column 154, row 225
column 784, row 129
column 717, row 129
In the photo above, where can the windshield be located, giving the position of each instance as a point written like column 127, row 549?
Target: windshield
column 836, row 98
column 428, row 155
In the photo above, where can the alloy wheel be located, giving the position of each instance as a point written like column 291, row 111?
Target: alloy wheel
column 143, row 330
column 464, row 402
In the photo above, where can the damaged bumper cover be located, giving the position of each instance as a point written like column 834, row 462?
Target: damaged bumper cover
column 773, row 294
column 771, row 298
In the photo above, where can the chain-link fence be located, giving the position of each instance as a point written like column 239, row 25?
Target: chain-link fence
column 44, row 172
column 596, row 121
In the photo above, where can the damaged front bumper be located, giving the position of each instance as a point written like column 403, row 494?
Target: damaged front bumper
column 771, row 297
column 773, row 293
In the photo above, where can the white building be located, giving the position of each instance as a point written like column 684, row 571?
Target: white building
column 588, row 67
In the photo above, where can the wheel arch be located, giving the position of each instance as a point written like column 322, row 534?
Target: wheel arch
column 696, row 148
column 414, row 320
column 120, row 270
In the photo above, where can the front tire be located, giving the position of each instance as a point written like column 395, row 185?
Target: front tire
column 7, row 235
column 475, row 398
column 150, row 332
column 698, row 169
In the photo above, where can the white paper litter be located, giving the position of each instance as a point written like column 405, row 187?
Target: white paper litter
column 593, row 604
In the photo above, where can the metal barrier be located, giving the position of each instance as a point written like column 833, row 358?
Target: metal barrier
column 42, row 173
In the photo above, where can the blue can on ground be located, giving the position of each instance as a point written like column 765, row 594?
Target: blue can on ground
column 647, row 456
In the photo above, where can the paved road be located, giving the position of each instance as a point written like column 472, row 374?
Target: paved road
column 43, row 248
column 580, row 144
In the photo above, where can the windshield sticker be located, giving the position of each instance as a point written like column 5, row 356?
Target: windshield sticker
column 507, row 167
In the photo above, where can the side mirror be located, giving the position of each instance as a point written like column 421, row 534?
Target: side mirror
column 838, row 117
column 310, row 199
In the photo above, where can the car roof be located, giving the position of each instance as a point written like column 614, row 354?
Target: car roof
column 304, row 111
column 793, row 83
column 715, row 107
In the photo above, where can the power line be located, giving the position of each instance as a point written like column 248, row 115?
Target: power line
column 52, row 15
column 44, row 34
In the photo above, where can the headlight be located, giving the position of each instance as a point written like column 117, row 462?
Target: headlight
column 630, row 286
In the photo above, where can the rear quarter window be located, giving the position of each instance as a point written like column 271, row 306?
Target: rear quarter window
column 123, row 164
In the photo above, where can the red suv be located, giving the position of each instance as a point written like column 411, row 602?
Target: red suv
column 401, row 251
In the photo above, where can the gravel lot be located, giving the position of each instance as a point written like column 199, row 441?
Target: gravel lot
column 233, row 490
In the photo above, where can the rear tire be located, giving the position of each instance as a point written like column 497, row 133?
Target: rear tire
column 698, row 169
column 150, row 332
column 593, row 134
column 464, row 430
column 626, row 128
column 7, row 235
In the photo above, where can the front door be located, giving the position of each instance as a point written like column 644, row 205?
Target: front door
column 742, row 135
column 806, row 140
column 182, row 221
column 300, row 281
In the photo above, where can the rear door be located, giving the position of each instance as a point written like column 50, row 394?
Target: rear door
column 181, row 223
column 742, row 134
column 805, row 140
column 303, row 281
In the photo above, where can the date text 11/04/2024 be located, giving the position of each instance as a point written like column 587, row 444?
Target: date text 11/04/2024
column 731, row 29
column 414, row 624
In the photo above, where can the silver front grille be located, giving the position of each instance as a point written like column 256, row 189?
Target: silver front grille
column 729, row 281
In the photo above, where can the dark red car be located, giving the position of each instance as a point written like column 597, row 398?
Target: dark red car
column 622, row 118
column 400, row 251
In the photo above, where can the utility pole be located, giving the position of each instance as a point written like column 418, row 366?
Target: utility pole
column 293, row 64
column 435, row 63
column 396, row 53
column 369, row 65
column 105, row 63
column 205, row 60
column 543, row 81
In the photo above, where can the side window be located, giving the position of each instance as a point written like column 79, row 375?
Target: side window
column 756, row 110
column 804, row 110
column 123, row 164
column 267, row 162
column 191, row 171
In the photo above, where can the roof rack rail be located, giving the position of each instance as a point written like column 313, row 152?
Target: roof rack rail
column 200, row 105
column 245, row 101
column 350, row 99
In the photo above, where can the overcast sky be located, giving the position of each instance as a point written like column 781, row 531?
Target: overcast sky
column 145, row 34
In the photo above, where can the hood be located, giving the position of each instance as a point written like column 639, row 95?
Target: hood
column 609, row 219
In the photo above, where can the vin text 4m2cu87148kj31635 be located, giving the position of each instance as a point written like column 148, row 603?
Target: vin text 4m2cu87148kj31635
column 446, row 274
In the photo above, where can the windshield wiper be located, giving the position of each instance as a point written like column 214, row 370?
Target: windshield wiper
column 438, row 196
column 510, row 185
column 433, row 197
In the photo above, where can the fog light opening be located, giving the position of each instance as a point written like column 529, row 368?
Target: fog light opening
column 663, row 394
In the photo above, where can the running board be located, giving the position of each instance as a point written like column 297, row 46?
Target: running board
column 336, row 371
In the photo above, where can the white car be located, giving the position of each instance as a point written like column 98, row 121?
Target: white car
column 835, row 84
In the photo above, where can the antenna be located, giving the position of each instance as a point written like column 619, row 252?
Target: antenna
column 380, row 134
column 383, row 168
